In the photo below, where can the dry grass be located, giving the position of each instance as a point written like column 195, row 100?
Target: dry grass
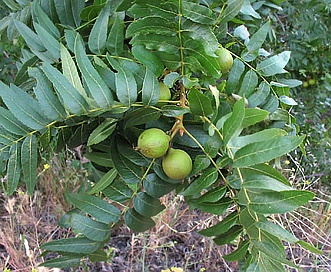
column 27, row 222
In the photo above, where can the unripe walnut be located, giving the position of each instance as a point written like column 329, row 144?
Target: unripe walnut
column 177, row 164
column 153, row 143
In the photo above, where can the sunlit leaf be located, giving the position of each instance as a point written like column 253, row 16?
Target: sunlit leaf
column 104, row 182
column 265, row 151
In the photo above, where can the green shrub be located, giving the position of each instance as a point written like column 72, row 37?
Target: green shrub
column 91, row 76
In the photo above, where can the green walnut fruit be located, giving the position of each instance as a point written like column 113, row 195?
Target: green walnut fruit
column 177, row 164
column 165, row 94
column 305, row 84
column 225, row 59
column 153, row 143
column 311, row 81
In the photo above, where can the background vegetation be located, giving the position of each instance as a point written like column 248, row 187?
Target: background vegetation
column 302, row 27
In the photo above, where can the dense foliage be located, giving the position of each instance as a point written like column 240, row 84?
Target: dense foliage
column 90, row 76
column 305, row 28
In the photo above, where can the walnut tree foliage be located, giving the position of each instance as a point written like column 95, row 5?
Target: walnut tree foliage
column 90, row 76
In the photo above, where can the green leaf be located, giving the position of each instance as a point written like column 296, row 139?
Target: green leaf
column 259, row 96
column 42, row 18
column 23, row 106
column 68, row 12
column 213, row 195
column 221, row 227
column 104, row 182
column 101, row 210
column 228, row 236
column 100, row 158
column 200, row 163
column 128, row 151
column 48, row 101
column 126, row 86
column 203, row 34
column 29, row 160
column 253, row 116
column 278, row 202
column 309, row 247
column 287, row 100
column 255, row 43
column 148, row 58
column 30, row 37
column 265, row 151
column 22, row 75
column 247, row 9
column 270, row 251
column 156, row 187
column 217, row 208
column 277, row 231
column 6, row 138
column 206, row 64
column 150, row 89
column 260, row 136
column 266, row 170
column 14, row 167
column 274, row 65
column 69, row 95
column 174, row 111
column 207, row 178
column 12, row 5
column 197, row 13
column 10, row 123
column 271, row 104
column 232, row 125
column 99, row 256
column 47, row 39
column 115, row 41
column 98, row 35
column 137, row 222
column 141, row 116
column 63, row 262
column 128, row 171
column 264, row 263
column 239, row 253
column 91, row 229
column 102, row 132
column 236, row 71
column 232, row 9
column 147, row 205
column 97, row 87
column 151, row 24
column 248, row 84
column 69, row 70
column 72, row 245
column 118, row 191
column 261, row 183
column 199, row 103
